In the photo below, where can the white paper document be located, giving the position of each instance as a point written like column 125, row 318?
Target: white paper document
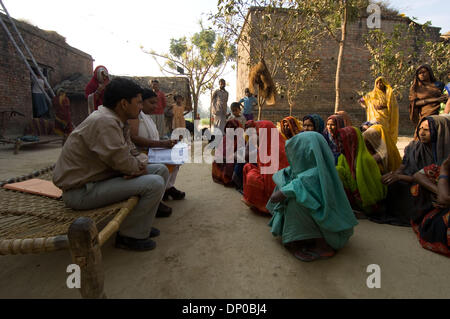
column 177, row 155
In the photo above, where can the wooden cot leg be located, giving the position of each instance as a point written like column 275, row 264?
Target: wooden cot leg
column 86, row 253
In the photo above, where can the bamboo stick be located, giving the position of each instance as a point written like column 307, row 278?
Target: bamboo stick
column 114, row 224
column 33, row 245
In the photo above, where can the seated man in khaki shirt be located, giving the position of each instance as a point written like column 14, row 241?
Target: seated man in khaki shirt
column 98, row 166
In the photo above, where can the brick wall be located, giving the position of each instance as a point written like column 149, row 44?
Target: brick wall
column 319, row 97
column 50, row 51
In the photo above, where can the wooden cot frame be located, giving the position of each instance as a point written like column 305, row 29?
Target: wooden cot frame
column 84, row 243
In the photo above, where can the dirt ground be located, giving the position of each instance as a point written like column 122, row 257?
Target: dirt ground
column 213, row 246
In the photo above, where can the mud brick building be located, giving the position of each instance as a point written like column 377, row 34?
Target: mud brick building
column 320, row 96
column 55, row 57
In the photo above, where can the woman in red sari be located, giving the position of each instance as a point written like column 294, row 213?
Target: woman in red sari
column 432, row 227
column 258, row 183
column 96, row 87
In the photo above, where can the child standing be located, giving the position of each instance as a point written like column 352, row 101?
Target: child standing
column 178, row 112
column 249, row 102
column 236, row 110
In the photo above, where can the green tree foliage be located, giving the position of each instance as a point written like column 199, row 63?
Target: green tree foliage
column 203, row 58
column 275, row 38
column 396, row 55
column 282, row 36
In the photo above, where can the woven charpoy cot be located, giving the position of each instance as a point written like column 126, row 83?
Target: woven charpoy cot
column 34, row 224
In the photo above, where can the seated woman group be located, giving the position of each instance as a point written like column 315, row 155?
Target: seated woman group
column 367, row 179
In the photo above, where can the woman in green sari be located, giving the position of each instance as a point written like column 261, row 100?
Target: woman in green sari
column 359, row 172
column 309, row 202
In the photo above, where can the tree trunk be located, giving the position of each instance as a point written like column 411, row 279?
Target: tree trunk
column 340, row 57
column 210, row 109
column 194, row 113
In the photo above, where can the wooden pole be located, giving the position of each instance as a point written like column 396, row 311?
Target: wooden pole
column 85, row 250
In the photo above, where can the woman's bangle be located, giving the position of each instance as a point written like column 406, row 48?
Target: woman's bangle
column 443, row 176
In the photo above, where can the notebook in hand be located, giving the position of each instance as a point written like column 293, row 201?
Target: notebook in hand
column 36, row 186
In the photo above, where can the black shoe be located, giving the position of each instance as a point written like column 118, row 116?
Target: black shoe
column 174, row 193
column 130, row 243
column 154, row 232
column 163, row 211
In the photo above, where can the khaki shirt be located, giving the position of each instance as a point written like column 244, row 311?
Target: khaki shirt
column 97, row 149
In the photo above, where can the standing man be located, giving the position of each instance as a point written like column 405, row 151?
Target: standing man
column 158, row 114
column 99, row 166
column 219, row 106
column 249, row 102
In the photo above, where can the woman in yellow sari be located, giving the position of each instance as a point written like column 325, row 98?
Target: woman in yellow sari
column 383, row 149
column 381, row 106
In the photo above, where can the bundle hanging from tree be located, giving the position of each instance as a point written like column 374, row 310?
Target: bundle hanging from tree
column 260, row 78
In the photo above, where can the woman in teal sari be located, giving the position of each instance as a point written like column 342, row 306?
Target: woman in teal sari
column 309, row 202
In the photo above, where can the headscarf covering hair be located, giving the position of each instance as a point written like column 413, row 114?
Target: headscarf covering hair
column 388, row 115
column 330, row 137
column 346, row 117
column 268, row 142
column 60, row 93
column 417, row 82
column 258, row 187
column 440, row 137
column 92, row 86
column 348, row 145
column 289, row 127
column 356, row 165
column 384, row 146
column 418, row 155
column 420, row 91
column 98, row 73
column 312, row 180
column 318, row 122
column 338, row 122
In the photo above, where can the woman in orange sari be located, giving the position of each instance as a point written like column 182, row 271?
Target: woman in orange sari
column 63, row 121
column 258, row 183
column 289, row 127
